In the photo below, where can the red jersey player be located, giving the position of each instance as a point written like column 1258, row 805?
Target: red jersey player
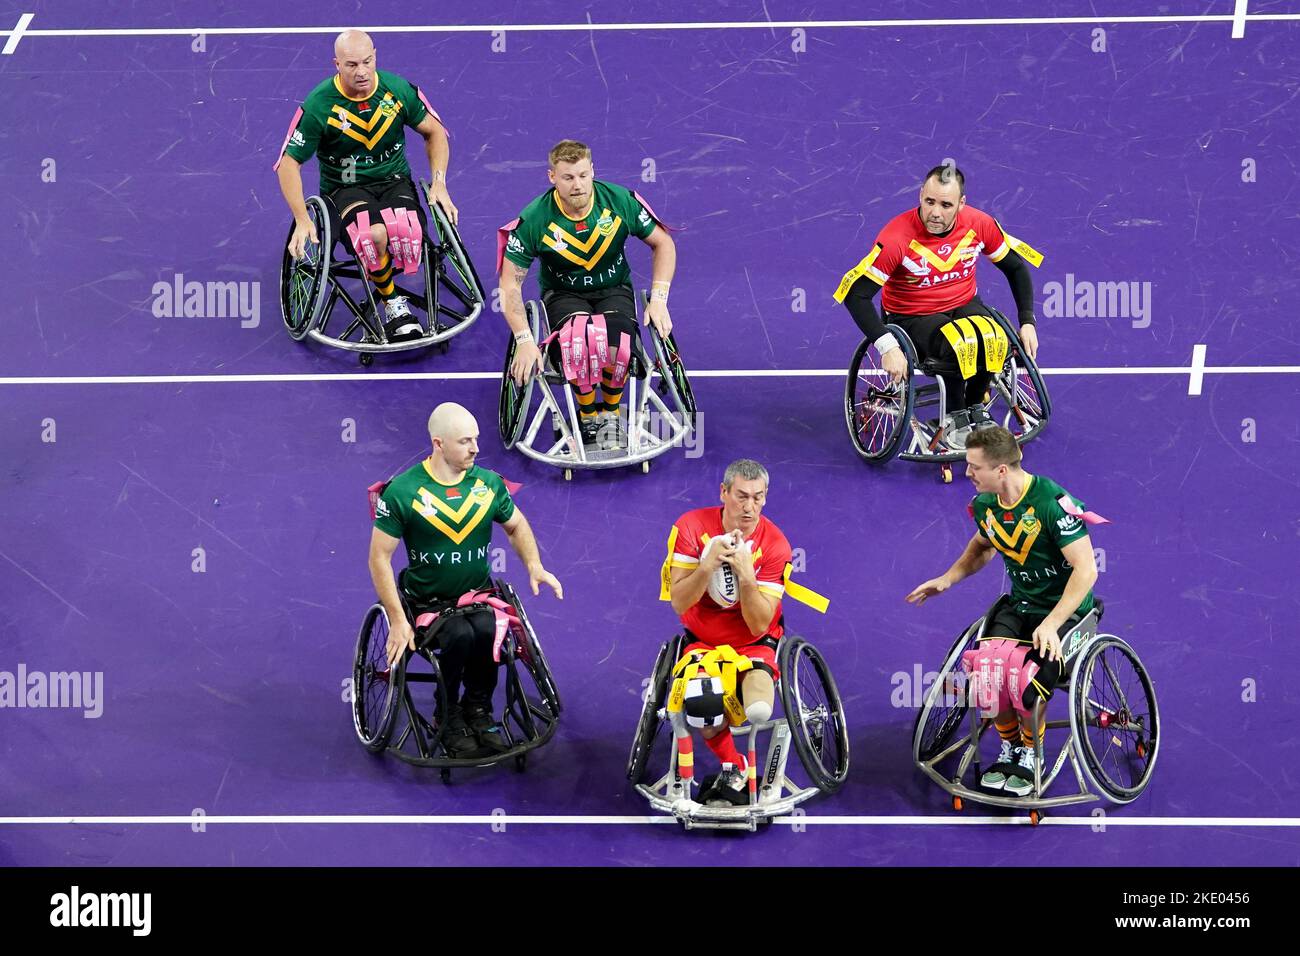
column 924, row 259
column 757, row 553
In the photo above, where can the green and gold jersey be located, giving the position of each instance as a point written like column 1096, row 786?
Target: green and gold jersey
column 357, row 139
column 583, row 253
column 1029, row 534
column 447, row 529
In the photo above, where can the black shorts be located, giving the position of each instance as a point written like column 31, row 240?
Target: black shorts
column 924, row 332
column 1008, row 622
column 615, row 304
column 346, row 202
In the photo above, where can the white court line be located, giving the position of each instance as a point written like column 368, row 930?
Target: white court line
column 694, row 373
column 575, row 820
column 695, row 25
column 16, row 34
column 1198, row 370
column 1239, row 19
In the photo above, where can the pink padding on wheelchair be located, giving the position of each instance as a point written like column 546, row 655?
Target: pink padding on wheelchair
column 999, row 674
column 505, row 618
column 405, row 237
column 585, row 351
column 362, row 242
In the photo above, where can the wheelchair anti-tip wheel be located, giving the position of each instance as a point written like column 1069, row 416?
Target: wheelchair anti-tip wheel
column 815, row 714
column 653, row 698
column 375, row 695
column 946, row 702
column 878, row 411
column 1114, row 719
column 304, row 283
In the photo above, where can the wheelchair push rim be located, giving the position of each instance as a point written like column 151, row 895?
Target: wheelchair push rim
column 877, row 411
column 469, row 290
column 672, row 376
column 534, row 658
column 516, row 399
column 1114, row 719
column 946, row 702
column 304, row 282
column 652, row 700
column 815, row 714
column 374, row 696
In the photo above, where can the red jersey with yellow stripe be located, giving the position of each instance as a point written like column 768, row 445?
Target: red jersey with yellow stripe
column 923, row 273
column 710, row 623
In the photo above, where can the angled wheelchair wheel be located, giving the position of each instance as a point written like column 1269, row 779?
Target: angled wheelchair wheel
column 946, row 702
column 1114, row 719
column 815, row 714
column 530, row 651
column 672, row 375
column 455, row 273
column 375, row 687
column 1021, row 389
column 304, row 283
column 652, row 699
column 515, row 399
column 878, row 412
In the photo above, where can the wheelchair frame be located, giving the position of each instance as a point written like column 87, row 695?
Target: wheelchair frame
column 917, row 438
column 520, row 428
column 365, row 334
column 1083, row 641
column 774, row 793
column 534, row 720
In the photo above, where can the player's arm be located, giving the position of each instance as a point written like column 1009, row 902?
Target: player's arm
column 521, row 537
column 1016, row 269
column 663, row 264
column 857, row 291
column 978, row 552
column 289, row 172
column 756, row 605
column 438, row 148
column 1083, row 576
column 510, row 290
column 689, row 584
column 400, row 635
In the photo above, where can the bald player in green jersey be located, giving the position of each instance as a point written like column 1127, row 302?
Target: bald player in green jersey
column 577, row 231
column 442, row 510
column 1041, row 531
column 355, row 124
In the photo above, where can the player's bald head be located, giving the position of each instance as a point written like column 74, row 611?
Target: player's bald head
column 353, row 45
column 450, row 422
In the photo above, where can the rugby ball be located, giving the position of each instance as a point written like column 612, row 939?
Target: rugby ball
column 724, row 588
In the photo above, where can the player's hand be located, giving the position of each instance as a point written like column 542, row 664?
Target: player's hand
column 1047, row 641
column 657, row 312
column 715, row 553
column 400, row 638
column 438, row 194
column 923, row 592
column 1029, row 336
column 304, row 230
column 527, row 363
column 742, row 562
column 895, row 363
column 538, row 575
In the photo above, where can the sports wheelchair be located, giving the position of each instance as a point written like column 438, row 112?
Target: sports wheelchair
column 381, row 694
column 310, row 287
column 1113, row 722
column 812, row 720
column 883, row 416
column 647, row 427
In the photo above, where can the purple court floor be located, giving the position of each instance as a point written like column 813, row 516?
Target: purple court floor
column 223, row 690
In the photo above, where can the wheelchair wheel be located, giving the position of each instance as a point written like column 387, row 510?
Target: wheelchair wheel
column 672, row 375
column 455, row 272
column 304, row 282
column 1114, row 719
column 1020, row 386
column 531, row 653
column 878, row 412
column 375, row 693
column 653, row 697
column 946, row 702
column 815, row 713
column 515, row 400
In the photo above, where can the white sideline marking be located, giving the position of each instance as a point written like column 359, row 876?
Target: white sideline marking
column 1239, row 20
column 694, row 373
column 692, row 25
column 1198, row 370
column 16, row 34
column 566, row 820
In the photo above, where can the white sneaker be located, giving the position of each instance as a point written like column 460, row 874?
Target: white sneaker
column 1022, row 786
column 995, row 778
column 612, row 436
column 399, row 323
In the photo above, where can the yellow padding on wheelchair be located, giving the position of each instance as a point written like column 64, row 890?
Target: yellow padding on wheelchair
column 723, row 663
column 995, row 342
column 960, row 334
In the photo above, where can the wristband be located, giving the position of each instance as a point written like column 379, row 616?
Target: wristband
column 659, row 295
column 524, row 336
column 886, row 343
column 439, row 176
